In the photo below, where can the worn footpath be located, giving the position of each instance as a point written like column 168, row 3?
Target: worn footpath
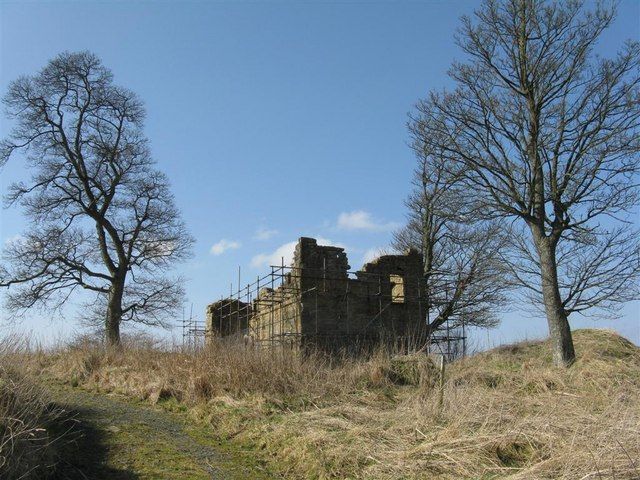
column 116, row 439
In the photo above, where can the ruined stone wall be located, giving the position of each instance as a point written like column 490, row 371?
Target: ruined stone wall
column 319, row 305
column 227, row 317
column 384, row 301
column 276, row 316
column 323, row 282
column 402, row 290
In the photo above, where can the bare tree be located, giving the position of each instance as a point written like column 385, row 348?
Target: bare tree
column 548, row 136
column 463, row 269
column 102, row 217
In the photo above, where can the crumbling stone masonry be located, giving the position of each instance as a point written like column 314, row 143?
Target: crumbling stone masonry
column 227, row 317
column 318, row 303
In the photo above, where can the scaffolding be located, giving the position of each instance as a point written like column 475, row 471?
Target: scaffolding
column 193, row 331
column 279, row 309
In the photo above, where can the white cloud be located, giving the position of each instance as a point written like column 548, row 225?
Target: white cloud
column 275, row 258
column 224, row 245
column 15, row 239
column 264, row 233
column 21, row 242
column 362, row 220
column 376, row 252
column 284, row 251
column 161, row 248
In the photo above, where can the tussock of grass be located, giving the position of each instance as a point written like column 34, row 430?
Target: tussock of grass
column 505, row 413
column 28, row 424
column 147, row 372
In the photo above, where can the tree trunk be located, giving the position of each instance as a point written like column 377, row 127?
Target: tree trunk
column 114, row 314
column 559, row 329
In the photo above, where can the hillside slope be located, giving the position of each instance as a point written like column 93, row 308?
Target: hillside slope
column 505, row 413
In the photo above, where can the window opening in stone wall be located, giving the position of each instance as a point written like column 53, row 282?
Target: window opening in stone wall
column 397, row 288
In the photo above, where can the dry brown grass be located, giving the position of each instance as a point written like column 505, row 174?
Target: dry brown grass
column 506, row 413
column 31, row 430
column 145, row 371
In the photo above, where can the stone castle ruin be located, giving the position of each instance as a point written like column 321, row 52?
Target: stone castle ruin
column 317, row 302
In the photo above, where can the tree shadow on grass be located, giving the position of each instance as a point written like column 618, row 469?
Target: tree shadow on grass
column 82, row 450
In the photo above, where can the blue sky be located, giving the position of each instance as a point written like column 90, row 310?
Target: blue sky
column 274, row 120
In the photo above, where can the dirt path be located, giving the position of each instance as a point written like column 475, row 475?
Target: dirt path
column 120, row 440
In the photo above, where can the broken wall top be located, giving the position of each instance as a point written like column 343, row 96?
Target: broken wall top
column 333, row 262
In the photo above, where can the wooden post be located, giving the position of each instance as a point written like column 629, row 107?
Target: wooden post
column 441, row 384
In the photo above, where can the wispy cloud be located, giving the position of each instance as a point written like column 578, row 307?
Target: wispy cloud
column 284, row 252
column 223, row 245
column 264, row 233
column 17, row 238
column 376, row 252
column 362, row 220
column 161, row 248
column 276, row 257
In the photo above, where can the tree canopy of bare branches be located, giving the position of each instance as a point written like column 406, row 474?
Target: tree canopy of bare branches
column 464, row 273
column 547, row 135
column 102, row 216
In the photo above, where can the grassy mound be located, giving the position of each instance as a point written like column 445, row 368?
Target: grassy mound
column 505, row 413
